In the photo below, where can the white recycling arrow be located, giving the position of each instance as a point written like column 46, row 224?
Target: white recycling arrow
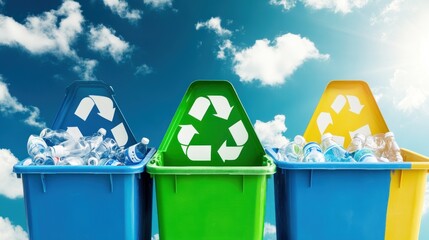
column 199, row 108
column 365, row 130
column 84, row 108
column 229, row 152
column 239, row 133
column 74, row 132
column 104, row 105
column 339, row 103
column 223, row 110
column 199, row 152
column 221, row 105
column 323, row 121
column 120, row 134
column 186, row 134
column 355, row 105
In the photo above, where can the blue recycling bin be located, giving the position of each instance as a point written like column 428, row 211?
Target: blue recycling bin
column 89, row 202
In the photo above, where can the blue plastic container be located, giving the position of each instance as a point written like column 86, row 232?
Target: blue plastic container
column 87, row 202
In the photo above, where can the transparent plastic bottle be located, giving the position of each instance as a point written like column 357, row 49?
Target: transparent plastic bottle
column 38, row 151
column 54, row 137
column 110, row 162
column 72, row 160
column 95, row 140
column 334, row 152
column 377, row 144
column 70, row 148
column 313, row 153
column 135, row 153
column 392, row 150
column 294, row 150
column 107, row 149
column 356, row 144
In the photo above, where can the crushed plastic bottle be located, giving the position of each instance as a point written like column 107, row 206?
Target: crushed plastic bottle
column 293, row 152
column 356, row 144
column 95, row 140
column 334, row 152
column 313, row 153
column 70, row 148
column 38, row 151
column 392, row 150
column 54, row 137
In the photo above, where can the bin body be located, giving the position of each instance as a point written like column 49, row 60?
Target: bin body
column 211, row 170
column 87, row 202
column 349, row 200
column 211, row 207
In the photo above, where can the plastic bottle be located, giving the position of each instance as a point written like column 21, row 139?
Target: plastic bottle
column 334, row 152
column 356, row 144
column 313, row 153
column 54, row 137
column 294, row 150
column 365, row 155
column 70, row 148
column 135, row 153
column 72, row 160
column 38, row 151
column 376, row 143
column 106, row 149
column 110, row 162
column 392, row 150
column 96, row 139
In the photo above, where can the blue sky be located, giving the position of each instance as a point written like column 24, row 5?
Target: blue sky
column 278, row 54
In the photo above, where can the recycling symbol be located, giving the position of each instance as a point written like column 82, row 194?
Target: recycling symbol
column 324, row 119
column 106, row 110
column 204, row 152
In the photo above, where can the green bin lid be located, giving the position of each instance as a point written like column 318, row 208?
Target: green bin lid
column 211, row 128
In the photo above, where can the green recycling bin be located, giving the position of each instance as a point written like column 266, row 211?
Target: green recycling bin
column 211, row 170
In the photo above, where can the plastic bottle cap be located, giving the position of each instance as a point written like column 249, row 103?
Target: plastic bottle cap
column 326, row 135
column 102, row 131
column 389, row 134
column 145, row 141
column 298, row 139
column 360, row 136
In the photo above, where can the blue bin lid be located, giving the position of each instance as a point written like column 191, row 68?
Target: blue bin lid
column 334, row 165
column 89, row 106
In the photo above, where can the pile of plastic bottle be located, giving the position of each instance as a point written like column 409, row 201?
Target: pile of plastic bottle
column 58, row 147
column 376, row 148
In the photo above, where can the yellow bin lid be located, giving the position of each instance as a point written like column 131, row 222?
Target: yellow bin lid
column 346, row 108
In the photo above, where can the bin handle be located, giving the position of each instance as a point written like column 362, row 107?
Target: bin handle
column 111, row 182
column 42, row 179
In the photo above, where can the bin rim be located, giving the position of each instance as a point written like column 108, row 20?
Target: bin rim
column 55, row 169
column 155, row 168
column 337, row 165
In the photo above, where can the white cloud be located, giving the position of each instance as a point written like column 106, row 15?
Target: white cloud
column 286, row 4
column 271, row 62
column 341, row 6
column 51, row 32
column 387, row 13
column 11, row 232
column 214, row 24
column 10, row 105
column 271, row 133
column 121, row 8
column 143, row 70
column 85, row 68
column 155, row 237
column 159, row 3
column 226, row 46
column 10, row 185
column 103, row 39
column 409, row 90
